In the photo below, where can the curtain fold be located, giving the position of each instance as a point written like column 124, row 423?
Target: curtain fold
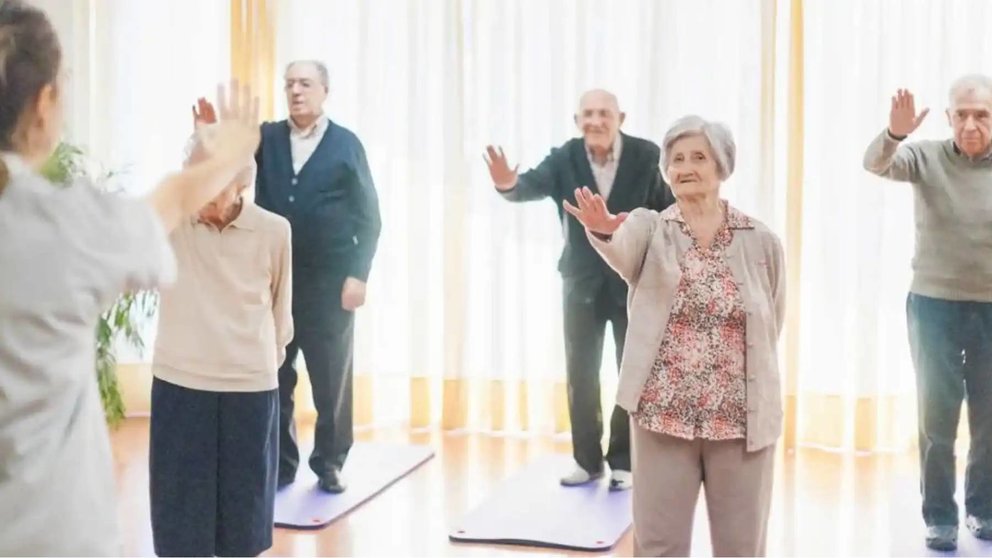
column 463, row 327
column 855, row 384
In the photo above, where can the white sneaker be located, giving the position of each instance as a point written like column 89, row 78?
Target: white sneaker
column 621, row 480
column 579, row 476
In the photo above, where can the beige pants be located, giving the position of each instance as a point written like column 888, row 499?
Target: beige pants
column 668, row 472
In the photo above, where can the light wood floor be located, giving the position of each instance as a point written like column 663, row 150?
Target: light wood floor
column 825, row 504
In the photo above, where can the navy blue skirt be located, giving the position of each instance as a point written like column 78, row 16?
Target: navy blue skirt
column 212, row 469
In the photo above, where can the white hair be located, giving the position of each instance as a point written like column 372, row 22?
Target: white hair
column 717, row 135
column 195, row 150
column 968, row 84
column 319, row 66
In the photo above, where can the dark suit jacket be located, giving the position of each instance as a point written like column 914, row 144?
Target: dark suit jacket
column 331, row 204
column 638, row 183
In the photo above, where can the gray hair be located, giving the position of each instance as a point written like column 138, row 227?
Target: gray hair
column 970, row 83
column 195, row 150
column 717, row 135
column 321, row 68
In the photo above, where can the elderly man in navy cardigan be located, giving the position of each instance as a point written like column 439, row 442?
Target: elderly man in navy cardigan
column 314, row 173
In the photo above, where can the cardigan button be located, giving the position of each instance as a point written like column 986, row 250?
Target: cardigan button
column 292, row 199
column 294, row 181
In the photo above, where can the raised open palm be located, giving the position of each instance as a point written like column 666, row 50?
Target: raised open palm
column 592, row 212
column 236, row 132
column 903, row 119
column 499, row 170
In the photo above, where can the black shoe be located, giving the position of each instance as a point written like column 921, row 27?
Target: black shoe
column 942, row 537
column 981, row 528
column 331, row 482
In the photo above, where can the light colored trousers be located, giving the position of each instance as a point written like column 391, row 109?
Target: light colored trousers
column 668, row 472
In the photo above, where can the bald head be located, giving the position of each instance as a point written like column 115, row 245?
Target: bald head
column 599, row 119
column 599, row 98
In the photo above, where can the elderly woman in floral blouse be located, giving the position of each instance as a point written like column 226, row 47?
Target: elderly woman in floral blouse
column 700, row 376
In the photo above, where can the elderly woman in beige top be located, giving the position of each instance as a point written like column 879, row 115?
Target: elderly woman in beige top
column 700, row 376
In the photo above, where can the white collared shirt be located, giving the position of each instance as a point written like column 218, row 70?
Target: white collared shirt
column 304, row 141
column 606, row 174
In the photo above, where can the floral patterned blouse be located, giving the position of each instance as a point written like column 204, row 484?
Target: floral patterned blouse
column 697, row 385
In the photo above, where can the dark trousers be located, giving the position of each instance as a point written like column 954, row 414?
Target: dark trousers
column 951, row 343
column 324, row 333
column 212, row 471
column 588, row 307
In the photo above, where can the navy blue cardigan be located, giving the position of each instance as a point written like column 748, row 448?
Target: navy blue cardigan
column 331, row 204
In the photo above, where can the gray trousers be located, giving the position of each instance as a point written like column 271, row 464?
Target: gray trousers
column 668, row 473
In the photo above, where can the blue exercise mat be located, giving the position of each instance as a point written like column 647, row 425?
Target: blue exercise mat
column 370, row 469
column 531, row 508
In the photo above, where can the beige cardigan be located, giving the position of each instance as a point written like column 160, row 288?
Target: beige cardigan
column 647, row 251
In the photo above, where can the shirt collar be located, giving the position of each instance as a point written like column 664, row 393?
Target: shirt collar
column 246, row 220
column 613, row 155
column 314, row 130
column 959, row 153
column 736, row 219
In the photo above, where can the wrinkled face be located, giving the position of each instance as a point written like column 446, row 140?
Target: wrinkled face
column 599, row 119
column 305, row 93
column 692, row 169
column 970, row 115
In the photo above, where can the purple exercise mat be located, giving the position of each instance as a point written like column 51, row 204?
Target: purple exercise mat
column 370, row 469
column 531, row 508
column 908, row 530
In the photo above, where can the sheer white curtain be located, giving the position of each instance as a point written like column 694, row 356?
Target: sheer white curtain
column 464, row 286
column 154, row 60
column 134, row 70
column 857, row 229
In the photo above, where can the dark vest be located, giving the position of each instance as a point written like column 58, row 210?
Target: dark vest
column 331, row 204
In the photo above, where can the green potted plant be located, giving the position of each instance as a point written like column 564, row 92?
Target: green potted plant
column 121, row 322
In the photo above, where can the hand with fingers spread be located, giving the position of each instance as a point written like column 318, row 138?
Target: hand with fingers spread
column 503, row 176
column 236, row 133
column 903, row 119
column 592, row 212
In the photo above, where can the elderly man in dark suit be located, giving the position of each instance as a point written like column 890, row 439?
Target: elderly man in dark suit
column 624, row 170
